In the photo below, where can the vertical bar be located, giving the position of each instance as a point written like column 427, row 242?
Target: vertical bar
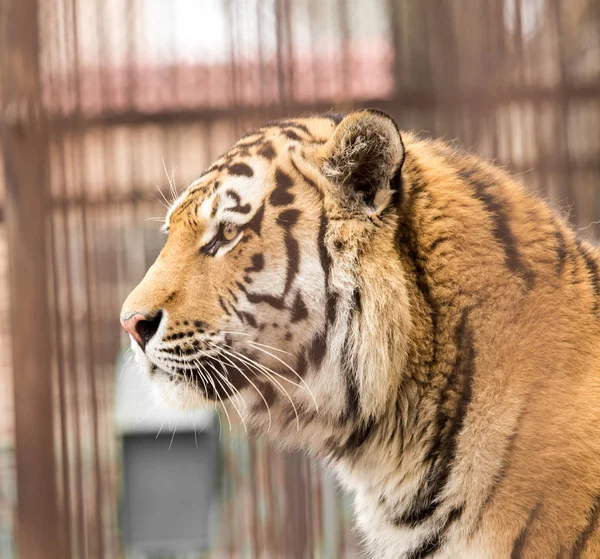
column 25, row 149
column 71, row 326
column 282, row 109
column 254, row 517
column 393, row 11
column 561, row 107
column 58, row 340
column 347, row 77
column 289, row 54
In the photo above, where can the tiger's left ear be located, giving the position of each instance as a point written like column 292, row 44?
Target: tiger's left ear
column 363, row 157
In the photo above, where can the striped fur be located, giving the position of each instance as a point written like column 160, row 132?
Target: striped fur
column 445, row 321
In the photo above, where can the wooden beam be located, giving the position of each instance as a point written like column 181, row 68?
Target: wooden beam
column 25, row 150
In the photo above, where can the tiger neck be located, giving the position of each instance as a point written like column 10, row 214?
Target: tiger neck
column 380, row 452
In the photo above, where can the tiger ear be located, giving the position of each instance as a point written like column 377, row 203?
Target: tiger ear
column 363, row 156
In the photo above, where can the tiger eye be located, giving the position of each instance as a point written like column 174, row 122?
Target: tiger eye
column 229, row 232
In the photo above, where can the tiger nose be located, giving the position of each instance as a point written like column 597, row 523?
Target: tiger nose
column 141, row 327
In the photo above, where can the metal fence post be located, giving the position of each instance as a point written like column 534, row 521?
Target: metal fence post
column 25, row 150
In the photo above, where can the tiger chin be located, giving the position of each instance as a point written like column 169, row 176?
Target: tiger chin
column 406, row 312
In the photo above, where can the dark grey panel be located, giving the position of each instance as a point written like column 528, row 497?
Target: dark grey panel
column 168, row 492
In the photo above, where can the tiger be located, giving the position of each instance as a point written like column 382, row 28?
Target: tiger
column 403, row 311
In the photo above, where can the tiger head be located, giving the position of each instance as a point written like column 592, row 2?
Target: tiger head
column 279, row 262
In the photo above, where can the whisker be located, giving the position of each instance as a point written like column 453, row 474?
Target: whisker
column 203, row 380
column 220, row 423
column 187, row 381
column 163, row 196
column 271, row 347
column 252, row 344
column 210, row 379
column 230, row 399
column 226, row 374
column 171, row 181
column 173, row 437
column 226, row 379
column 271, row 371
column 248, row 379
column 264, row 370
column 173, row 169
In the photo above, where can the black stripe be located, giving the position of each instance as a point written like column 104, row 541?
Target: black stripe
column 521, row 539
column 258, row 263
column 357, row 298
column 241, row 170
column 407, row 241
column 267, row 151
column 275, row 302
column 397, row 186
column 438, row 241
column 281, row 195
column 238, row 314
column 287, row 219
column 293, row 265
column 292, row 124
column 239, row 208
column 292, row 135
column 586, row 533
column 299, row 309
column 323, row 253
column 433, row 543
column 592, row 268
column 213, row 210
column 336, row 450
column 223, row 306
column 246, row 145
column 255, row 224
column 233, row 296
column 315, row 352
column 241, row 286
column 302, row 363
column 248, row 318
column 324, row 257
column 500, row 224
column 442, row 451
column 317, row 349
column 268, row 393
column 351, row 382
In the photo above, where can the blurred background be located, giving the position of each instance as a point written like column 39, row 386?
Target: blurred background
column 104, row 102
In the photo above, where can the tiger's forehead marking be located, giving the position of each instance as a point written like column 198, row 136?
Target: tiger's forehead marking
column 239, row 176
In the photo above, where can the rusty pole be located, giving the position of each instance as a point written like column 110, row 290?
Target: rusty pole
column 25, row 150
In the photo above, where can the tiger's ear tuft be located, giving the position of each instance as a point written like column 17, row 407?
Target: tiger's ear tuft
column 363, row 155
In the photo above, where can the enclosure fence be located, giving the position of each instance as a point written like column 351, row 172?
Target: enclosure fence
column 99, row 97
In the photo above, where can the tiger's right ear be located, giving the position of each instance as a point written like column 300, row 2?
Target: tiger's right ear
column 362, row 157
